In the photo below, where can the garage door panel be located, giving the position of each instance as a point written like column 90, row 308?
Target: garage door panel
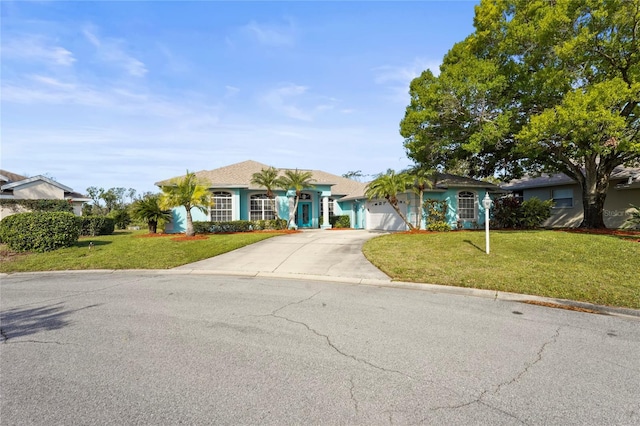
column 382, row 216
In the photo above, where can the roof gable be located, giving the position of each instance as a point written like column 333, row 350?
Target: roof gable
column 13, row 185
column 239, row 176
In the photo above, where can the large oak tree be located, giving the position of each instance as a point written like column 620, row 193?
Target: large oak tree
column 540, row 86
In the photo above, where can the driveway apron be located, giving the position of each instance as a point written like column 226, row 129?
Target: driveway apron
column 320, row 254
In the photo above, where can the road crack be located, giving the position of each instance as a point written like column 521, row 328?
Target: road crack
column 353, row 396
column 326, row 337
column 499, row 386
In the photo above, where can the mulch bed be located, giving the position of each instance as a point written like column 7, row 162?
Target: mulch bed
column 182, row 237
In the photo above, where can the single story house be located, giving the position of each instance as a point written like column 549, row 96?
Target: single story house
column 16, row 187
column 624, row 190
column 236, row 198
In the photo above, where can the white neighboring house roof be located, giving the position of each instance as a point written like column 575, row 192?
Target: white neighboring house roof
column 13, row 185
column 69, row 194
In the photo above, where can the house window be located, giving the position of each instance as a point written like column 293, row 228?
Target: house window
column 562, row 198
column 261, row 208
column 331, row 200
column 467, row 204
column 221, row 211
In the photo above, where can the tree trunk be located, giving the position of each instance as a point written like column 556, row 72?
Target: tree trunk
column 594, row 194
column 395, row 207
column 153, row 226
column 593, row 208
column 292, row 215
column 189, row 232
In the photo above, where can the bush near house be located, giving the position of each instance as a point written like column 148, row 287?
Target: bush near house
column 510, row 212
column 436, row 215
column 340, row 221
column 96, row 225
column 204, row 227
column 38, row 205
column 40, row 231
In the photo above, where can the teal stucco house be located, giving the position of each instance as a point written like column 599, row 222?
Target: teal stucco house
column 236, row 198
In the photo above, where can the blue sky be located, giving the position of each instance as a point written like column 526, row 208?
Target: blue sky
column 123, row 93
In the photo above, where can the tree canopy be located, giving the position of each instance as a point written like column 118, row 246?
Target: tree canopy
column 540, row 86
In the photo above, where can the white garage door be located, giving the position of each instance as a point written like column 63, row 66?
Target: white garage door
column 380, row 215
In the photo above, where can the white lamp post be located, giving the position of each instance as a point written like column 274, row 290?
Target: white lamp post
column 486, row 203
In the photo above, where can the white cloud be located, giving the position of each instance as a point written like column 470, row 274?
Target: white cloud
column 271, row 34
column 37, row 48
column 113, row 52
column 397, row 78
column 283, row 100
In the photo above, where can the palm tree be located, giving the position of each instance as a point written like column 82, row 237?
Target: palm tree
column 296, row 180
column 388, row 185
column 188, row 192
column 148, row 209
column 422, row 180
column 268, row 179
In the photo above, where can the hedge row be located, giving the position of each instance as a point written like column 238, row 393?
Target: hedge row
column 238, row 226
column 40, row 231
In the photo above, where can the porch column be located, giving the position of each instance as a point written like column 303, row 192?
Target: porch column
column 325, row 213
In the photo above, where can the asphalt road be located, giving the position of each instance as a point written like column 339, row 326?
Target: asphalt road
column 166, row 348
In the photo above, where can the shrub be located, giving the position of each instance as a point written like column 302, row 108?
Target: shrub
column 634, row 221
column 271, row 224
column 509, row 212
column 222, row 227
column 340, row 221
column 40, row 231
column 436, row 212
column 506, row 212
column 96, row 225
column 39, row 205
column 121, row 217
column 535, row 211
column 439, row 226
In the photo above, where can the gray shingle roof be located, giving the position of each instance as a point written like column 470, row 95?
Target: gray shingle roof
column 545, row 180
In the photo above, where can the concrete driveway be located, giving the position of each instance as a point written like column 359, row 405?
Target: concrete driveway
column 313, row 254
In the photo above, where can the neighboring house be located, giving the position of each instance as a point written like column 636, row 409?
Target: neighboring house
column 17, row 187
column 235, row 198
column 624, row 189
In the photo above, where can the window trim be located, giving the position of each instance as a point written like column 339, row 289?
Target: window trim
column 571, row 198
column 227, row 211
column 473, row 199
column 264, row 212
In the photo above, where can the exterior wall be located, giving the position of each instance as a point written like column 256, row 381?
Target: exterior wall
column 38, row 190
column 560, row 216
column 451, row 197
column 616, row 207
column 178, row 222
column 8, row 211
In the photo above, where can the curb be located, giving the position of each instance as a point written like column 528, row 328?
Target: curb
column 433, row 288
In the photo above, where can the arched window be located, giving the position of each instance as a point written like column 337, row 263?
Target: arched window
column 222, row 211
column 467, row 205
column 261, row 208
column 305, row 196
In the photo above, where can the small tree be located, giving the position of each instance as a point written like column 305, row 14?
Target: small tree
column 388, row 186
column 268, row 179
column 187, row 192
column 296, row 180
column 423, row 179
column 148, row 210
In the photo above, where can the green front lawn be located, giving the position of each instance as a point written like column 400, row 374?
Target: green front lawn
column 601, row 269
column 127, row 250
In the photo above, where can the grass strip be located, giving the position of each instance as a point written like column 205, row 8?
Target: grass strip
column 600, row 269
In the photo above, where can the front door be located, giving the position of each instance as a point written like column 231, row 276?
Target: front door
column 304, row 219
